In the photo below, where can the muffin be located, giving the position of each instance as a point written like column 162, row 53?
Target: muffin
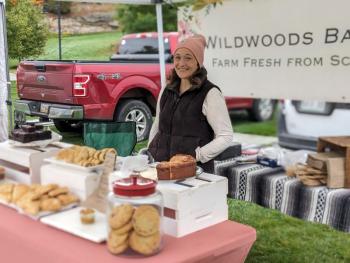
column 87, row 216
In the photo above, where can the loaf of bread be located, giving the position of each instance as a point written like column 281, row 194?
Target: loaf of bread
column 180, row 166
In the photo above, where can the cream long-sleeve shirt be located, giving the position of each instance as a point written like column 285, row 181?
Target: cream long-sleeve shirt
column 215, row 110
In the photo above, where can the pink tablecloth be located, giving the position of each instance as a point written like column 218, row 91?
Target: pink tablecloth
column 25, row 240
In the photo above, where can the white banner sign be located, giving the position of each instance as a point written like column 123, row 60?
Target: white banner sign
column 292, row 49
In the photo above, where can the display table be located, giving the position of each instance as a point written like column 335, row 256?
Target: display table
column 271, row 188
column 25, row 240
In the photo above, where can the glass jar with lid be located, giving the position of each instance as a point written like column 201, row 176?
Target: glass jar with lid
column 135, row 210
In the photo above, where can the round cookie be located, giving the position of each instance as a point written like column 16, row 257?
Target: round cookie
column 146, row 220
column 120, row 215
column 144, row 245
column 117, row 243
column 116, row 240
column 124, row 229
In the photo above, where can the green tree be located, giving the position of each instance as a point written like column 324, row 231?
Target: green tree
column 142, row 18
column 51, row 6
column 26, row 32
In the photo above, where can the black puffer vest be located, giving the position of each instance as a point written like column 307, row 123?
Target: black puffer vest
column 182, row 125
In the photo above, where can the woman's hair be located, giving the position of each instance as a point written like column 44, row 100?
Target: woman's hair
column 196, row 79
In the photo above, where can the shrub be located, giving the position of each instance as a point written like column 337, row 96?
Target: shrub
column 26, row 32
column 141, row 18
column 51, row 7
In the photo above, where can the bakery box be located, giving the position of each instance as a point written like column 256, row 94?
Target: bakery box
column 80, row 182
column 192, row 204
column 23, row 164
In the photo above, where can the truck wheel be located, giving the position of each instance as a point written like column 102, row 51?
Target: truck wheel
column 68, row 126
column 138, row 111
column 262, row 110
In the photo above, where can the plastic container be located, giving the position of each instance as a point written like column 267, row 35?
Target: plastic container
column 135, row 211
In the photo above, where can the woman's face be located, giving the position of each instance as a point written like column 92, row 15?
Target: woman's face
column 185, row 63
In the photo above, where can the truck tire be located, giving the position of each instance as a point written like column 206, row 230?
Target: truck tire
column 262, row 110
column 138, row 111
column 68, row 126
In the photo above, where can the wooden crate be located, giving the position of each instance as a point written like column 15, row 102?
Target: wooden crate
column 339, row 144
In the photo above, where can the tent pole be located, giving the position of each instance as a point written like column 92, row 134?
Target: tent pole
column 160, row 42
column 8, row 82
column 58, row 6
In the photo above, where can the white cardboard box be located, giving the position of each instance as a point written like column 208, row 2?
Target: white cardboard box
column 192, row 204
column 79, row 182
column 23, row 164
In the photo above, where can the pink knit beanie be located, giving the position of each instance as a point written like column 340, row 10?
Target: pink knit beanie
column 196, row 44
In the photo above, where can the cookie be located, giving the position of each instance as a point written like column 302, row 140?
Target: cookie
column 145, row 245
column 117, row 249
column 146, row 220
column 124, row 229
column 117, row 243
column 120, row 215
column 102, row 156
column 110, row 150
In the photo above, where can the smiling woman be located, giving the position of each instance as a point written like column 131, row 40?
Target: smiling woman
column 192, row 116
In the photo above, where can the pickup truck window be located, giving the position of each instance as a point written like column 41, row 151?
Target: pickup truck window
column 142, row 46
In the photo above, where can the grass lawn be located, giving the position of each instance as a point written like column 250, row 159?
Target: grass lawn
column 98, row 46
column 282, row 238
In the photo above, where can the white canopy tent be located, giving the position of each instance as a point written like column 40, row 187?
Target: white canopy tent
column 5, row 88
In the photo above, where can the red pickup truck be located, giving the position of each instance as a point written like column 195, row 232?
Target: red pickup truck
column 122, row 89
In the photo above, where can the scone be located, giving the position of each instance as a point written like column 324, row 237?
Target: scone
column 18, row 191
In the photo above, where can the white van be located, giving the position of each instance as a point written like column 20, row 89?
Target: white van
column 300, row 123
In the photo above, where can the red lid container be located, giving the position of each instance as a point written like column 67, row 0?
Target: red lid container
column 134, row 186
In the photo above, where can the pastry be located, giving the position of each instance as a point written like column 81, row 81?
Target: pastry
column 6, row 188
column 6, row 197
column 6, row 192
column 27, row 197
column 68, row 199
column 50, row 204
column 145, row 245
column 87, row 216
column 58, row 191
column 120, row 215
column 31, row 207
column 146, row 220
column 18, row 191
column 82, row 155
column 43, row 189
